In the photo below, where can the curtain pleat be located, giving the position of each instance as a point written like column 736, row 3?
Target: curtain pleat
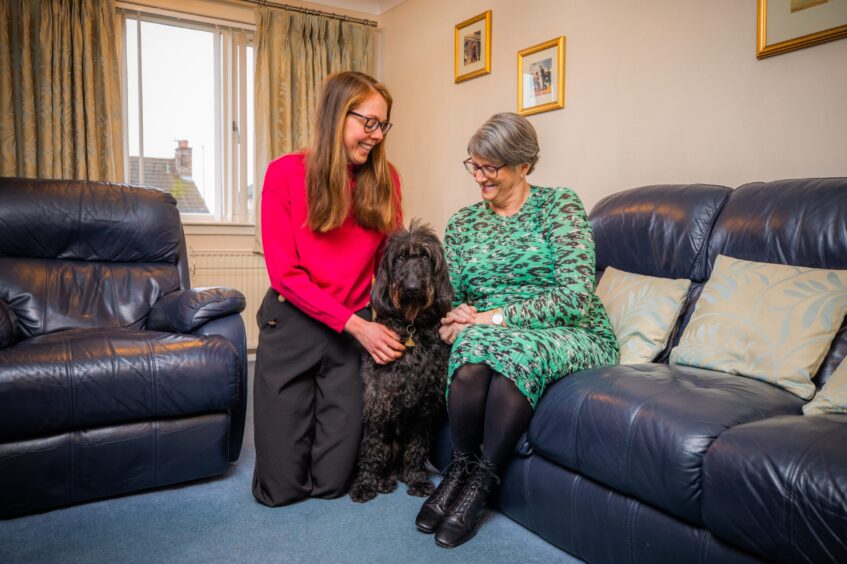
column 60, row 98
column 294, row 54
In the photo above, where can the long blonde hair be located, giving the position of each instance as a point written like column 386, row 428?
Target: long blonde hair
column 375, row 201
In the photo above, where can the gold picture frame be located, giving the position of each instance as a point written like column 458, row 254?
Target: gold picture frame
column 473, row 47
column 541, row 77
column 786, row 25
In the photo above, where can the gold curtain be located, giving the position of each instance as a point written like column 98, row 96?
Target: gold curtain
column 60, row 98
column 294, row 54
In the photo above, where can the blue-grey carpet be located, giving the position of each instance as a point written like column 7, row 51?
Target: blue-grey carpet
column 219, row 521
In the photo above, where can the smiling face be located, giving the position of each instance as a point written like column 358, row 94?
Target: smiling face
column 505, row 188
column 358, row 143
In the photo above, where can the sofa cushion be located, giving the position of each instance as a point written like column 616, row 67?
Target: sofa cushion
column 778, row 487
column 832, row 398
column 772, row 322
column 800, row 222
column 643, row 430
column 86, row 378
column 643, row 311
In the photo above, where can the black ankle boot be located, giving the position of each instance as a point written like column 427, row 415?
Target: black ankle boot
column 435, row 507
column 464, row 516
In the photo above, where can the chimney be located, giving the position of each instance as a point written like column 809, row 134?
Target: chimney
column 182, row 159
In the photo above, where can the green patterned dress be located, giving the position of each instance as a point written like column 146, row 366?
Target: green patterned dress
column 538, row 265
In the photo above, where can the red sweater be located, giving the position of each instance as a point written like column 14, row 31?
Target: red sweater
column 325, row 275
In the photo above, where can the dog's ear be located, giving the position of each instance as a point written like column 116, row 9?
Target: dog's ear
column 443, row 288
column 380, row 300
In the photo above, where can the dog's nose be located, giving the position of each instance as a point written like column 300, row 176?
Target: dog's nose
column 413, row 288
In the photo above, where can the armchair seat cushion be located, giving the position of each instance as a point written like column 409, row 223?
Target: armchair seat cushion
column 644, row 430
column 83, row 378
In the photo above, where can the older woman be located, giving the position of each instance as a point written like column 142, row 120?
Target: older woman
column 522, row 264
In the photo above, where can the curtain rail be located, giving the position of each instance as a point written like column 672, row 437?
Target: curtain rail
column 136, row 4
column 182, row 15
column 311, row 12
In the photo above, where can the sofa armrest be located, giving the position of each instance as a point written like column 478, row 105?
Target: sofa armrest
column 8, row 331
column 186, row 310
column 778, row 487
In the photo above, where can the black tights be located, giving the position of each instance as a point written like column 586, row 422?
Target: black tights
column 486, row 407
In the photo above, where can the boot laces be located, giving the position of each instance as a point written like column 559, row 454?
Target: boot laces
column 480, row 481
column 461, row 465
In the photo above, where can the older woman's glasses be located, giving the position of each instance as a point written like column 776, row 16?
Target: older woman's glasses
column 488, row 171
column 371, row 123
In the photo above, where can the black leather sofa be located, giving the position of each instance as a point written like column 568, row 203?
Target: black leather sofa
column 115, row 375
column 665, row 463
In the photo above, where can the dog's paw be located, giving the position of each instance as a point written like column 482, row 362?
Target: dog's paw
column 386, row 486
column 421, row 489
column 360, row 493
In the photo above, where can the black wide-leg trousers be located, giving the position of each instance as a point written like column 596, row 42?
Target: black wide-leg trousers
column 307, row 406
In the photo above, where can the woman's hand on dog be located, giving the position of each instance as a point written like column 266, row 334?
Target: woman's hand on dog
column 382, row 343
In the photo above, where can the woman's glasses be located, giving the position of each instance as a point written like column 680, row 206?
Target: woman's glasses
column 371, row 123
column 489, row 171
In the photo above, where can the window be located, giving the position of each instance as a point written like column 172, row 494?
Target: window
column 189, row 114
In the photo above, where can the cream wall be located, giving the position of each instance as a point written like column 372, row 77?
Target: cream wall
column 657, row 91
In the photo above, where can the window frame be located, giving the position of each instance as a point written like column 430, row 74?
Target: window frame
column 231, row 41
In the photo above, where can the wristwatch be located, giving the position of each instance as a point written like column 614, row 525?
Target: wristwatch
column 497, row 318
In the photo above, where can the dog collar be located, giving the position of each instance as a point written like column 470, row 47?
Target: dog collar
column 410, row 330
column 410, row 342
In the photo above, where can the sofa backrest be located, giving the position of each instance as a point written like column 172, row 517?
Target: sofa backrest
column 798, row 222
column 81, row 254
column 657, row 230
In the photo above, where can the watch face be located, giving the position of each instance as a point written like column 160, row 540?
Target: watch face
column 497, row 318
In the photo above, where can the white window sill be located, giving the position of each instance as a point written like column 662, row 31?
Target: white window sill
column 208, row 228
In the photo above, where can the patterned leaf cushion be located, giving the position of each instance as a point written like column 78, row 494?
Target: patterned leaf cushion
column 772, row 322
column 643, row 311
column 832, row 398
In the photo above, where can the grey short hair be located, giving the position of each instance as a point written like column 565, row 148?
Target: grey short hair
column 508, row 139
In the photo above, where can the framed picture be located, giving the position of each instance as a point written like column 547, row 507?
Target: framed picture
column 541, row 77
column 473, row 47
column 786, row 25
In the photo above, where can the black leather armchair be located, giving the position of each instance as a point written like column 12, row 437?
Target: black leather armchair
column 115, row 375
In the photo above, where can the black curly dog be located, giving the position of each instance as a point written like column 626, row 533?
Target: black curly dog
column 404, row 400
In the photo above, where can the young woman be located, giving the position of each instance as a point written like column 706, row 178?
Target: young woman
column 325, row 215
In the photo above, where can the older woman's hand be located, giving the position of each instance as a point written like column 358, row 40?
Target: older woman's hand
column 463, row 313
column 449, row 333
column 455, row 322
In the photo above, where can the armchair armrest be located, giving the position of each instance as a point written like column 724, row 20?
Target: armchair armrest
column 186, row 310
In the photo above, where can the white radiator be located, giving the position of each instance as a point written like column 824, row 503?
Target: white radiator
column 243, row 270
